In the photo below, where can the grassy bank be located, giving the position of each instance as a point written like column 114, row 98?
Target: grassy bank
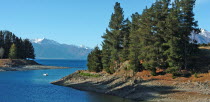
column 89, row 74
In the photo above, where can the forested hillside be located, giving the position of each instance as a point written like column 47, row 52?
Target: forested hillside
column 14, row 47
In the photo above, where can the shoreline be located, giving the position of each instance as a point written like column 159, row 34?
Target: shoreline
column 137, row 89
column 30, row 67
column 23, row 65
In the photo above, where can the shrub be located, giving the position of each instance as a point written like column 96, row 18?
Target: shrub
column 174, row 77
column 196, row 75
column 171, row 70
column 178, row 74
column 153, row 72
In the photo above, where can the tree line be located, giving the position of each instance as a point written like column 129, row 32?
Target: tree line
column 14, row 47
column 156, row 38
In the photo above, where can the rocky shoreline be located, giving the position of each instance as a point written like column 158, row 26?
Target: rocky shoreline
column 29, row 67
column 23, row 65
column 136, row 88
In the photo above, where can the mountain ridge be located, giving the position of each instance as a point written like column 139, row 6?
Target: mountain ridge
column 202, row 38
column 50, row 49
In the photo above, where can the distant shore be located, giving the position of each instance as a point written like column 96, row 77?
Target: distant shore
column 23, row 65
column 141, row 88
column 30, row 67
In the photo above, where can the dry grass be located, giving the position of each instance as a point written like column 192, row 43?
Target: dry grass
column 205, row 47
column 145, row 75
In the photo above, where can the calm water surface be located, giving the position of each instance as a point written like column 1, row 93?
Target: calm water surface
column 32, row 86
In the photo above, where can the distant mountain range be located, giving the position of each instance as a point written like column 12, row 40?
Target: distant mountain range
column 50, row 49
column 202, row 38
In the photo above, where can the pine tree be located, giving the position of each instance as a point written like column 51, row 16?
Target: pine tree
column 21, row 48
column 31, row 51
column 151, row 30
column 161, row 11
column 173, row 49
column 7, row 38
column 7, row 43
column 1, row 52
column 106, row 51
column 28, row 49
column 134, row 47
column 158, row 38
column 106, row 55
column 148, row 39
column 116, row 35
column 125, row 40
column 94, row 60
column 1, row 39
column 188, row 24
column 13, row 52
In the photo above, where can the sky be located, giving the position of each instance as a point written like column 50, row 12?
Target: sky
column 78, row 22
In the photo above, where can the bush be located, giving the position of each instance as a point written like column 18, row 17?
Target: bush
column 108, row 70
column 153, row 72
column 196, row 75
column 186, row 74
column 127, row 67
column 174, row 77
column 178, row 74
column 171, row 70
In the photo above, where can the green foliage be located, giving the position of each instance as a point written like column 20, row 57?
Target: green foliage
column 174, row 77
column 177, row 74
column 157, row 38
column 13, row 52
column 172, row 70
column 108, row 70
column 115, row 47
column 94, row 60
column 196, row 75
column 23, row 50
column 153, row 72
column 134, row 45
column 125, row 41
column 1, row 52
column 89, row 74
column 116, row 34
column 106, row 55
column 127, row 67
column 28, row 49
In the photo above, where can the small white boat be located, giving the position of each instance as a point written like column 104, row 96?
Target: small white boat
column 45, row 74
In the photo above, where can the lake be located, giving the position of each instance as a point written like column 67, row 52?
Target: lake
column 32, row 86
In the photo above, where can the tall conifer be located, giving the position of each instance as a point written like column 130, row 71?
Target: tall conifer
column 94, row 60
column 134, row 46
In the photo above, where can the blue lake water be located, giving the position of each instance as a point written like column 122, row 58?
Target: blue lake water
column 32, row 86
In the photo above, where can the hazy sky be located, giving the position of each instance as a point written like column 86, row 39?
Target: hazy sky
column 79, row 22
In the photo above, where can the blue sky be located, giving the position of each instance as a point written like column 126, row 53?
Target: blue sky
column 79, row 22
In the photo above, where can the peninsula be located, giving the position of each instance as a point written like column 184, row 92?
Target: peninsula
column 23, row 65
column 150, row 58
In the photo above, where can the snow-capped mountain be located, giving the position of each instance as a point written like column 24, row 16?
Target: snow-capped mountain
column 50, row 49
column 202, row 37
column 36, row 40
column 83, row 46
column 44, row 41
